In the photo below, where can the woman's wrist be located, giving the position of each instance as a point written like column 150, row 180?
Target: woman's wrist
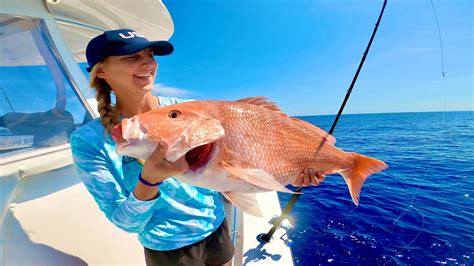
column 147, row 188
column 145, row 177
column 147, row 183
column 146, row 193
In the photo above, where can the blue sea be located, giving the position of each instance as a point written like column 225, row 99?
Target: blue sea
column 420, row 211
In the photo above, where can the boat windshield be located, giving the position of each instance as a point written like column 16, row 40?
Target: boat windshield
column 38, row 106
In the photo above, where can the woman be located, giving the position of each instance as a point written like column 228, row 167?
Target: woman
column 178, row 224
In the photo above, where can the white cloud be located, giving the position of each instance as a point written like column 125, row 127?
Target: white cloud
column 163, row 90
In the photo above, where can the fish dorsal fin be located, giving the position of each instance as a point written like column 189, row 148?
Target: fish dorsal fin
column 263, row 102
column 257, row 177
column 247, row 202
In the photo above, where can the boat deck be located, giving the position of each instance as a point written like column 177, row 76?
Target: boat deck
column 51, row 217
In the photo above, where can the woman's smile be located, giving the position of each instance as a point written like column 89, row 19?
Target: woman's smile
column 143, row 79
column 145, row 75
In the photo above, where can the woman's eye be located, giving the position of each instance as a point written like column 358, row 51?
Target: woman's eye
column 174, row 114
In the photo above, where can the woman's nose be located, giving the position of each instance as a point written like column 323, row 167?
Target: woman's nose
column 150, row 62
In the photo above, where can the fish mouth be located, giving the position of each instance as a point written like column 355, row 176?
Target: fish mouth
column 199, row 156
column 117, row 134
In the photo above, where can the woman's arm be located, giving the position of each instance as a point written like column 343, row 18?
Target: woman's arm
column 97, row 173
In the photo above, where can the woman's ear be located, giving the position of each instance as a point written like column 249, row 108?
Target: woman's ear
column 102, row 71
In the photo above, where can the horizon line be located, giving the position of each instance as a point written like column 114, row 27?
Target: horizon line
column 406, row 112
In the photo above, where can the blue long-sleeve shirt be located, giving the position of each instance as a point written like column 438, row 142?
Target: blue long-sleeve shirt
column 180, row 216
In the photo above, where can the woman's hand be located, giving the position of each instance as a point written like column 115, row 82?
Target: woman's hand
column 157, row 168
column 308, row 177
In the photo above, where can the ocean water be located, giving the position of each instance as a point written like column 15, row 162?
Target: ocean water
column 420, row 211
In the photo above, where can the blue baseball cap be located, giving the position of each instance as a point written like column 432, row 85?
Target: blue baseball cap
column 122, row 42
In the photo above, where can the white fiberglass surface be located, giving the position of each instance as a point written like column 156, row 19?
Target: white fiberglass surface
column 38, row 107
column 54, row 221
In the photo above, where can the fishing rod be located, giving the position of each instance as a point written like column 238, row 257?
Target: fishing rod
column 277, row 222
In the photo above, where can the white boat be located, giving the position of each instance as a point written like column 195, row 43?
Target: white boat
column 46, row 215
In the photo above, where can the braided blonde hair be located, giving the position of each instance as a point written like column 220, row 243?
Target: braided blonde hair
column 109, row 114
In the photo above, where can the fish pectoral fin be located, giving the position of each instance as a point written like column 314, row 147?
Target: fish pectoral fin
column 257, row 177
column 247, row 202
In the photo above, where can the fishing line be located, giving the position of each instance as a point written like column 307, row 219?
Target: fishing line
column 442, row 57
column 410, row 205
column 413, row 240
column 268, row 236
column 440, row 39
column 406, row 210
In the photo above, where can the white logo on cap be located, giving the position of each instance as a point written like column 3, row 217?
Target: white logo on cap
column 131, row 34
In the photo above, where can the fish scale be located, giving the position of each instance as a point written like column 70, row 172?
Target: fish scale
column 255, row 147
column 297, row 153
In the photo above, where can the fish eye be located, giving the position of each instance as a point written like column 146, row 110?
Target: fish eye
column 174, row 114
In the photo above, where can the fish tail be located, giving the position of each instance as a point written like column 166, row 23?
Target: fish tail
column 363, row 167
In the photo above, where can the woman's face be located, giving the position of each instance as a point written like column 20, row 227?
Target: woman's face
column 129, row 74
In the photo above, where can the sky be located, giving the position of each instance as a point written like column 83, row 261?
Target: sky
column 304, row 54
